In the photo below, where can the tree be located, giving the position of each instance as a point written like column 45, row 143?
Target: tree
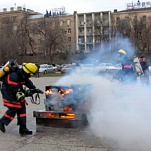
column 25, row 29
column 137, row 29
column 8, row 42
column 52, row 37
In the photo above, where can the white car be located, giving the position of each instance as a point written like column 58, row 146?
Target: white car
column 46, row 68
column 106, row 67
column 118, row 66
column 85, row 68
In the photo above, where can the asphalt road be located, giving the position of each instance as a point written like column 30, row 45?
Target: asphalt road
column 49, row 139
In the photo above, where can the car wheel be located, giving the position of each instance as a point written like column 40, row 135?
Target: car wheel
column 107, row 70
column 45, row 72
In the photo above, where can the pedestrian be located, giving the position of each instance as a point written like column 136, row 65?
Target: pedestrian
column 145, row 67
column 127, row 75
column 13, row 96
column 37, row 73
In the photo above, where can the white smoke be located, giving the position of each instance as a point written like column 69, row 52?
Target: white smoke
column 124, row 117
column 117, row 115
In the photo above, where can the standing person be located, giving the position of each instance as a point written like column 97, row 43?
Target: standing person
column 38, row 66
column 127, row 75
column 14, row 97
column 144, row 78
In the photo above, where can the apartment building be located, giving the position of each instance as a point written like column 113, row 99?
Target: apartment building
column 84, row 31
column 144, row 13
column 15, row 14
column 136, row 23
column 91, row 29
column 67, row 26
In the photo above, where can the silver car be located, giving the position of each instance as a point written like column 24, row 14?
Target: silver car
column 106, row 67
column 46, row 68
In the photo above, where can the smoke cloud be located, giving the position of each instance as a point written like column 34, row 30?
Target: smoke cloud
column 117, row 115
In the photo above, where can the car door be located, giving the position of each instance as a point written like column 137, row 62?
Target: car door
column 49, row 68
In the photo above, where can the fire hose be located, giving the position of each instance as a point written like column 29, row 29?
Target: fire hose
column 31, row 92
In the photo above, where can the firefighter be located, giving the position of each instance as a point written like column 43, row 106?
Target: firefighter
column 13, row 96
column 145, row 77
column 127, row 75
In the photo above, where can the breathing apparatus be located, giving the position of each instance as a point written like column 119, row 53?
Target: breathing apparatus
column 9, row 66
column 138, row 67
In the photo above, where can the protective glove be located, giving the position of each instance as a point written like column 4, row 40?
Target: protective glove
column 38, row 91
column 30, row 92
column 20, row 96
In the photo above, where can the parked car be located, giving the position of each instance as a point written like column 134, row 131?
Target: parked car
column 84, row 68
column 58, row 67
column 46, row 68
column 67, row 68
column 106, row 67
column 118, row 66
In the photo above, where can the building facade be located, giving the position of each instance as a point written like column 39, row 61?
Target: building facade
column 91, row 29
column 136, row 24
column 83, row 31
column 66, row 26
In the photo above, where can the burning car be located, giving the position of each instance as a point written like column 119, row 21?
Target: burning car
column 65, row 106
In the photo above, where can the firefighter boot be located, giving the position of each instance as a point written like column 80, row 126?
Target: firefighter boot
column 24, row 131
column 2, row 127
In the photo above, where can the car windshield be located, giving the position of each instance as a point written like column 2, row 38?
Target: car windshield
column 43, row 66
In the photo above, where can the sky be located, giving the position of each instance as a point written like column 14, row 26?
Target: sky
column 81, row 6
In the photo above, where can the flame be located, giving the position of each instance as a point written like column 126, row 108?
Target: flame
column 48, row 91
column 68, row 116
column 64, row 92
column 67, row 109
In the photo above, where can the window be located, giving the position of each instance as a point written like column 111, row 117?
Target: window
column 64, row 31
column 69, row 31
column 38, row 33
column 68, row 22
column 81, row 30
column 81, row 22
column 69, row 39
column 15, row 27
column 69, row 47
column 61, row 23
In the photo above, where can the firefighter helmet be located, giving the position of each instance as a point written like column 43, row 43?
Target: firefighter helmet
column 122, row 51
column 30, row 68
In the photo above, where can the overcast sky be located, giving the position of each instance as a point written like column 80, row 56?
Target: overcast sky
column 81, row 6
